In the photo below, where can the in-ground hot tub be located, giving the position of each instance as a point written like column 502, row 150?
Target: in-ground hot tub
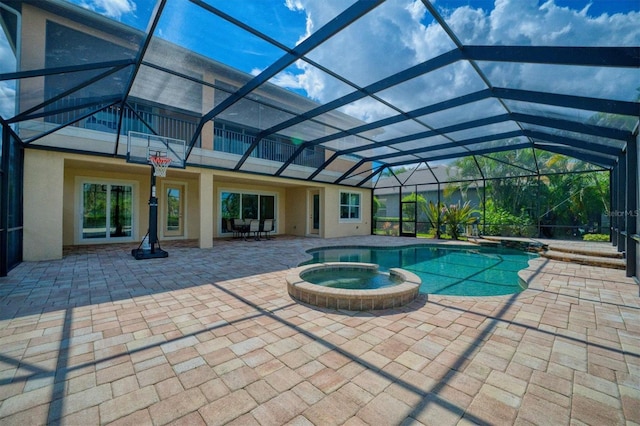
column 366, row 287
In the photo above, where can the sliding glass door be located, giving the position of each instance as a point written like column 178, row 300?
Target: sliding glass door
column 106, row 211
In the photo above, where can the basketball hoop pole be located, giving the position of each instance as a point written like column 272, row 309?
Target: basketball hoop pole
column 153, row 252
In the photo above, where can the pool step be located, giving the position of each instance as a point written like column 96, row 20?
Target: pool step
column 592, row 259
column 605, row 256
column 483, row 241
column 607, row 251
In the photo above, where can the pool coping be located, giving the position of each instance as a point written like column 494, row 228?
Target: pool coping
column 349, row 299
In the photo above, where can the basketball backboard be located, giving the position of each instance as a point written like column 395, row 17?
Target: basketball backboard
column 140, row 146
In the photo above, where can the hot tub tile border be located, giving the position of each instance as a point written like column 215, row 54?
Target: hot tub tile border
column 352, row 300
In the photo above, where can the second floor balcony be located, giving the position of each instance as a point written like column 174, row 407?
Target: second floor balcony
column 235, row 142
column 143, row 119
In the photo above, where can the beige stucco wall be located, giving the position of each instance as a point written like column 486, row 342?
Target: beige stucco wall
column 296, row 211
column 205, row 217
column 33, row 35
column 54, row 179
column 43, row 205
column 299, row 207
column 334, row 227
column 79, row 168
column 73, row 177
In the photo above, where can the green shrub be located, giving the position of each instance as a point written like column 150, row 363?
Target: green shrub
column 501, row 222
column 457, row 217
column 595, row 237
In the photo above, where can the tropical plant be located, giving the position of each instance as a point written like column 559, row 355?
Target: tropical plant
column 376, row 205
column 390, row 228
column 507, row 182
column 568, row 192
column 456, row 216
column 433, row 212
column 498, row 221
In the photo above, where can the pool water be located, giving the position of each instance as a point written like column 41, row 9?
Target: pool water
column 351, row 279
column 450, row 270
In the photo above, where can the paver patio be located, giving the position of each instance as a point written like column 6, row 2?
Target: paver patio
column 212, row 337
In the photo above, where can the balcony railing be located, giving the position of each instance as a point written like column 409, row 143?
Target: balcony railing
column 225, row 140
column 235, row 142
column 136, row 121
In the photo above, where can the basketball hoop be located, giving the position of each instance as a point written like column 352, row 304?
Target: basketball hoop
column 160, row 165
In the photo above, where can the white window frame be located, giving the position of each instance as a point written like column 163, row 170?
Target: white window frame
column 79, row 202
column 244, row 191
column 350, row 220
column 162, row 219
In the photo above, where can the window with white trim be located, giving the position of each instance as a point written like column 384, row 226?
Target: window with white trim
column 350, row 206
column 107, row 211
column 246, row 206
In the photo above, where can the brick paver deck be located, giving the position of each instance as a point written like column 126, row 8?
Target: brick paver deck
column 212, row 337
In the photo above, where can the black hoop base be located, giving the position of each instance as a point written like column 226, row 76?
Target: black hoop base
column 141, row 254
column 151, row 250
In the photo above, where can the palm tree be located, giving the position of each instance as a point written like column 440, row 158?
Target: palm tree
column 433, row 212
column 456, row 216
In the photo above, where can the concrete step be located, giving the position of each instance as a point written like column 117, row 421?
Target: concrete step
column 483, row 242
column 582, row 259
column 605, row 256
column 608, row 251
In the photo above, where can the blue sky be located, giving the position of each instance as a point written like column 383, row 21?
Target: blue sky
column 398, row 34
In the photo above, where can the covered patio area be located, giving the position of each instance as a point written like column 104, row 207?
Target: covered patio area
column 211, row 336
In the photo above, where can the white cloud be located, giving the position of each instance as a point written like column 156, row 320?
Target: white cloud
column 7, row 99
column 111, row 8
column 400, row 33
column 7, row 88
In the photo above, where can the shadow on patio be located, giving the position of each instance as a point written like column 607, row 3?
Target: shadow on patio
column 214, row 337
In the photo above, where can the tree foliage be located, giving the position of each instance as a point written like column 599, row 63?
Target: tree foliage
column 565, row 193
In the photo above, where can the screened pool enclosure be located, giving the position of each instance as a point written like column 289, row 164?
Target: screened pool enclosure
column 533, row 122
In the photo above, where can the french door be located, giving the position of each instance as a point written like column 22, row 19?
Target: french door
column 107, row 211
column 174, row 210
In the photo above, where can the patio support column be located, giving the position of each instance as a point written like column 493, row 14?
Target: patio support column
column 43, row 205
column 621, row 205
column 206, row 209
column 631, row 211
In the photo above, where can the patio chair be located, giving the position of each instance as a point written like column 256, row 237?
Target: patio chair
column 267, row 227
column 254, row 226
column 240, row 227
column 228, row 227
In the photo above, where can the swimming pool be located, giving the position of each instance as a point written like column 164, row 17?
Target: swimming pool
column 446, row 270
